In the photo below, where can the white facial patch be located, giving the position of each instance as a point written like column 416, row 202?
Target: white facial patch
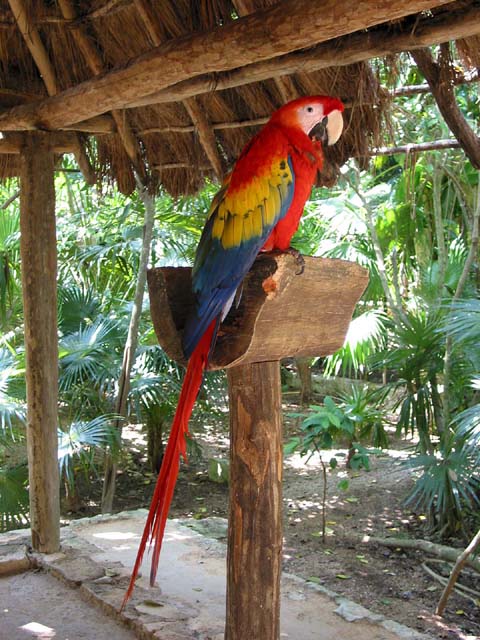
column 309, row 116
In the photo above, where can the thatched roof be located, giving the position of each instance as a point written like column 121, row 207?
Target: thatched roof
column 176, row 134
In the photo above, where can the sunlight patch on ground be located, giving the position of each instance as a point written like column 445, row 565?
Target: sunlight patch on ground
column 296, row 461
column 134, row 434
column 211, row 434
column 115, row 535
column 312, row 462
column 396, row 453
column 177, row 535
column 39, row 630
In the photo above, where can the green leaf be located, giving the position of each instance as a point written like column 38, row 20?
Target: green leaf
column 292, row 445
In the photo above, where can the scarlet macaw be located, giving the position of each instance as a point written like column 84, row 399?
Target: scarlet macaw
column 258, row 207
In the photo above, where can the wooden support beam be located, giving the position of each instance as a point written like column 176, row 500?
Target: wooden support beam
column 39, row 54
column 310, row 312
column 284, row 84
column 39, row 270
column 60, row 142
column 254, row 558
column 220, row 49
column 382, row 41
column 197, row 116
column 206, row 135
column 188, row 128
column 442, row 89
column 97, row 125
column 35, row 45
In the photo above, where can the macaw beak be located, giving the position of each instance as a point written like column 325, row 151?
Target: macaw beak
column 329, row 130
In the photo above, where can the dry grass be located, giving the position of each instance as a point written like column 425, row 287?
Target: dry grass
column 119, row 34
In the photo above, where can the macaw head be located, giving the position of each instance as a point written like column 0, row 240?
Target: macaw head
column 319, row 117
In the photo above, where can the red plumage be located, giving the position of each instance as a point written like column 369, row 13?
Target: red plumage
column 259, row 207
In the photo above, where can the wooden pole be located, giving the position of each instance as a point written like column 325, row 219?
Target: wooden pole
column 255, row 522
column 39, row 269
column 311, row 311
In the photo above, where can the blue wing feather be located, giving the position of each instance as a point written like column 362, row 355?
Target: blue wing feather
column 225, row 254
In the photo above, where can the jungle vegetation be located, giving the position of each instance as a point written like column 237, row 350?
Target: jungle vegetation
column 412, row 220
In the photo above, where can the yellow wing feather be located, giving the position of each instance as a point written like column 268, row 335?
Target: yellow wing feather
column 249, row 212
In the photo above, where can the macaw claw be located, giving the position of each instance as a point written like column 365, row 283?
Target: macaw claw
column 299, row 259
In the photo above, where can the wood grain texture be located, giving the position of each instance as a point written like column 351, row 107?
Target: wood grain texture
column 220, row 49
column 39, row 270
column 60, row 141
column 255, row 522
column 462, row 21
column 281, row 313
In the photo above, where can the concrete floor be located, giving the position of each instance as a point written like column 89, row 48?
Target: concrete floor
column 37, row 605
column 96, row 559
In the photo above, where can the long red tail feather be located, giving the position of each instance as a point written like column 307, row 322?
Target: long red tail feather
column 176, row 447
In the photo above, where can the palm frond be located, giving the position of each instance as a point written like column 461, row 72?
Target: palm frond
column 89, row 353
column 366, row 335
column 77, row 306
column 12, row 408
column 80, row 438
column 14, row 501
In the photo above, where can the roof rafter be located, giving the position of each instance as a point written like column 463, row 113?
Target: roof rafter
column 205, row 52
column 40, row 56
column 94, row 61
column 284, row 84
column 206, row 135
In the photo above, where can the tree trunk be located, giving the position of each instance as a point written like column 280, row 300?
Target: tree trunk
column 443, row 92
column 130, row 346
column 459, row 564
column 304, row 368
column 450, row 554
column 38, row 248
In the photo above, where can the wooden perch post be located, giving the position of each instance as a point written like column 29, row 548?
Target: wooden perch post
column 38, row 247
column 281, row 313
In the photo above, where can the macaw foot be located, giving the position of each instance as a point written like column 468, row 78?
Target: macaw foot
column 299, row 259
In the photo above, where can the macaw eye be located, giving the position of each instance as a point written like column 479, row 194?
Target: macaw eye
column 310, row 109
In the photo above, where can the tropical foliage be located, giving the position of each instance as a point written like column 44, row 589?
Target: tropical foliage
column 412, row 221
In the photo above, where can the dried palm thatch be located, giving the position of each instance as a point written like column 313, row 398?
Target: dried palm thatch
column 47, row 47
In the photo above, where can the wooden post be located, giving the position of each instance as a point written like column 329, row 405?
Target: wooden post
column 311, row 312
column 255, row 523
column 39, row 269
